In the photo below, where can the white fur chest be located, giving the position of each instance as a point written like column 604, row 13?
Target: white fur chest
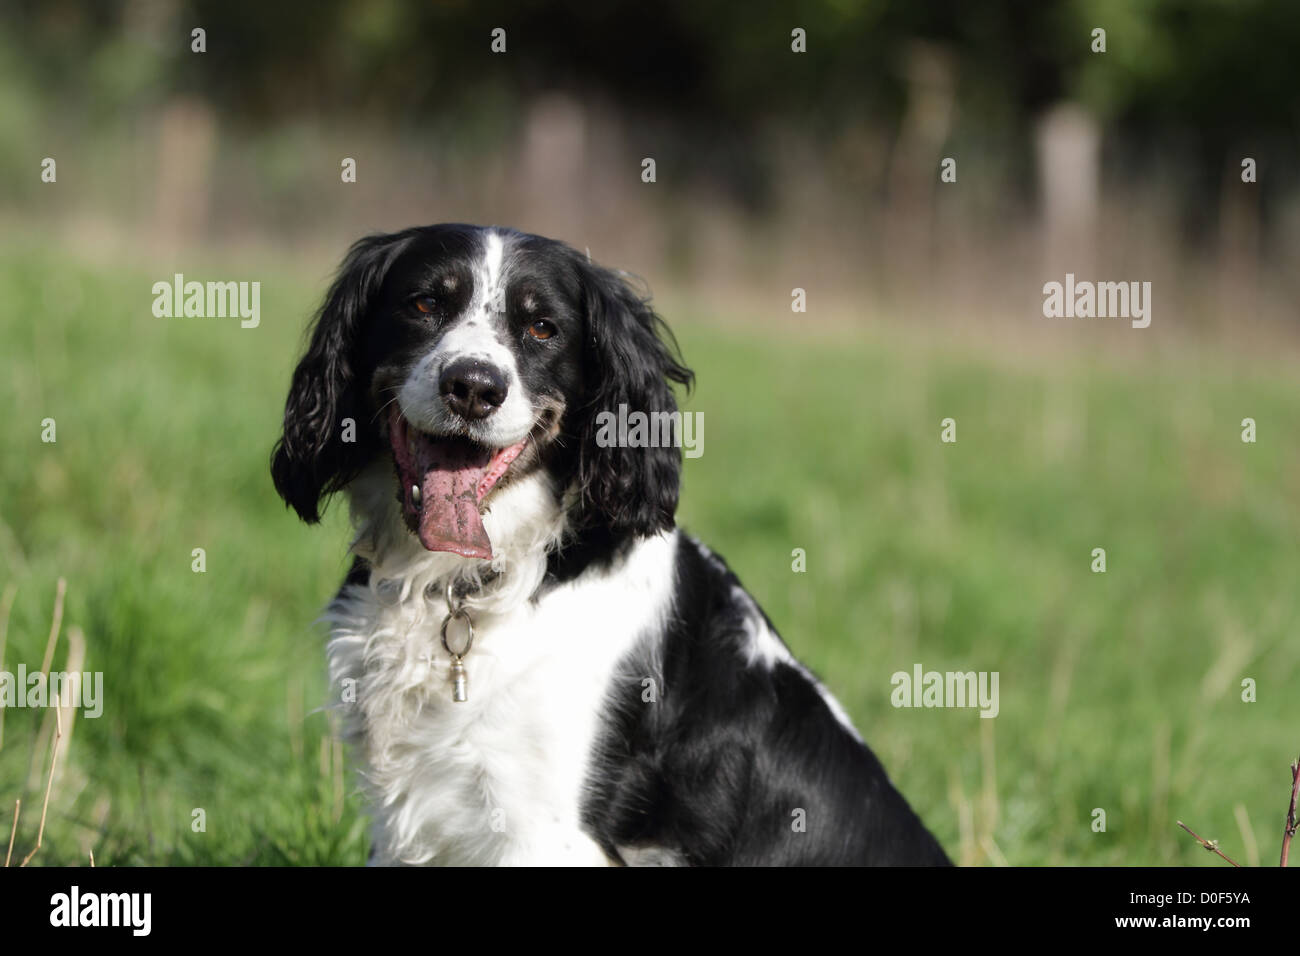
column 497, row 779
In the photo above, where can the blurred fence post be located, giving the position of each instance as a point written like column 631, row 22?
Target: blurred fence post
column 187, row 139
column 1068, row 142
column 553, row 166
column 914, row 169
column 1238, row 241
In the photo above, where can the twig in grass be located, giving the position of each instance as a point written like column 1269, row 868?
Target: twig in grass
column 18, row 805
column 1211, row 845
column 92, row 859
column 49, row 781
column 1289, row 832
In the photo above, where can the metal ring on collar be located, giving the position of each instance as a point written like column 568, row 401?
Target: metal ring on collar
column 463, row 615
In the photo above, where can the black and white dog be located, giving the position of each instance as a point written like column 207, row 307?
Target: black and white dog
column 536, row 666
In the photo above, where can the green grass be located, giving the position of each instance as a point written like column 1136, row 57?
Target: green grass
column 1118, row 691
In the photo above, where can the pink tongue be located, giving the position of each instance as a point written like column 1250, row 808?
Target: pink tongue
column 449, row 518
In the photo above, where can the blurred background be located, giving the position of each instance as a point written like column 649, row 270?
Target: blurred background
column 775, row 170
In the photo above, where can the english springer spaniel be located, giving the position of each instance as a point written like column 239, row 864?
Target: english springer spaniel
column 536, row 666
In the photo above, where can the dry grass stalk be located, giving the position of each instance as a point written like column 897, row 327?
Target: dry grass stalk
column 49, row 782
column 6, row 605
column 56, row 624
column 61, row 590
column 18, row 804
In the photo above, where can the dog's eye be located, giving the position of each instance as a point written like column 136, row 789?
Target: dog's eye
column 541, row 329
column 426, row 304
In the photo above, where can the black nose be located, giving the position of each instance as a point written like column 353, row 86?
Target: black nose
column 472, row 388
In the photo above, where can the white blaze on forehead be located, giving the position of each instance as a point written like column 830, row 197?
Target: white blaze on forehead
column 479, row 333
column 493, row 256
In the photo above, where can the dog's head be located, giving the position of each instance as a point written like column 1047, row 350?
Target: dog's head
column 474, row 358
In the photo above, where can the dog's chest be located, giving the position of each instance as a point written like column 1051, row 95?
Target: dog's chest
column 499, row 777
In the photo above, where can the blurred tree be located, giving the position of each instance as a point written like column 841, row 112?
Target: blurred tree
column 1216, row 73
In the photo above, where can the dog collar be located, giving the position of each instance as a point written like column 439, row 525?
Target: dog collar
column 456, row 611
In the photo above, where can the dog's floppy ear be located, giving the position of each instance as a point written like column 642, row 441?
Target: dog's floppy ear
column 630, row 360
column 311, row 460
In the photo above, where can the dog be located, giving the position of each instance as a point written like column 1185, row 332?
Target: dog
column 535, row 665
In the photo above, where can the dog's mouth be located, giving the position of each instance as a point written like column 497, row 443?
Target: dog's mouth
column 444, row 480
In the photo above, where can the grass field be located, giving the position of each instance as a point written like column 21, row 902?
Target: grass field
column 1120, row 691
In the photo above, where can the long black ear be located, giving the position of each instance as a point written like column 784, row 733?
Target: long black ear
column 311, row 460
column 631, row 359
